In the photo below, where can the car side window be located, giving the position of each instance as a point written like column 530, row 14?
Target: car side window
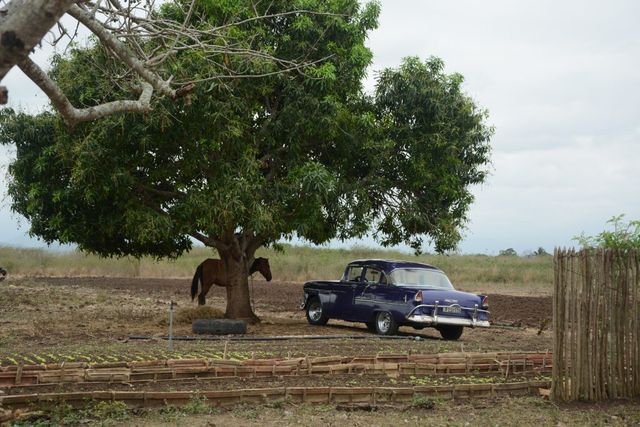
column 374, row 276
column 354, row 274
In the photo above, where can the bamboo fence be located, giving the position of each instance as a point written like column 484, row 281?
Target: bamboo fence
column 596, row 320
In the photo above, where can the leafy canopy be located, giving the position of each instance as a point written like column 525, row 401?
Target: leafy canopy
column 245, row 162
column 435, row 146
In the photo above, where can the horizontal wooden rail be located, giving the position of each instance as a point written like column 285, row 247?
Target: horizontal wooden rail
column 393, row 365
column 351, row 395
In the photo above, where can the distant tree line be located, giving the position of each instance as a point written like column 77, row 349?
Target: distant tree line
column 512, row 252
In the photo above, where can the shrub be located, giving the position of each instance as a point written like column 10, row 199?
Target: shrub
column 625, row 235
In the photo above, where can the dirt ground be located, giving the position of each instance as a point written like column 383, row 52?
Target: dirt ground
column 281, row 297
column 519, row 411
column 83, row 314
column 96, row 319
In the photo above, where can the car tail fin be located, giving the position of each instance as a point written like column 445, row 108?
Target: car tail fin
column 418, row 297
column 485, row 301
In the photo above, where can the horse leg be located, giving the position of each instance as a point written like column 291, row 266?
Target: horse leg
column 201, row 298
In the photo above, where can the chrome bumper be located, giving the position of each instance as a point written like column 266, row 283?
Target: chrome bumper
column 436, row 319
column 441, row 320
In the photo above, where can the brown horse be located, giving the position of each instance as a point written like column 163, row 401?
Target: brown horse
column 213, row 272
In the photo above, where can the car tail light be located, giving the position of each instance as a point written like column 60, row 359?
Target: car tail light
column 485, row 301
column 418, row 297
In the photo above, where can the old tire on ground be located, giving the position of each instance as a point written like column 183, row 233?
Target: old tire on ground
column 219, row 326
column 450, row 332
column 385, row 324
column 315, row 313
column 3, row 274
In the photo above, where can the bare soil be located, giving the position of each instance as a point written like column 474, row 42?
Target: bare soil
column 88, row 315
column 285, row 296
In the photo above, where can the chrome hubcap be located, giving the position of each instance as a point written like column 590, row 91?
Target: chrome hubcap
column 384, row 322
column 315, row 311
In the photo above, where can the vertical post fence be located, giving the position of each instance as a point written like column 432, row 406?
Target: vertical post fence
column 596, row 324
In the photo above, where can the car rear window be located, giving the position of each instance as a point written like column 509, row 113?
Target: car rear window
column 420, row 278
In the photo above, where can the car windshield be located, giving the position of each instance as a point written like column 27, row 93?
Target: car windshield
column 420, row 278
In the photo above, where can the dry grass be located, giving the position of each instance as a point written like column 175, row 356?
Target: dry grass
column 510, row 411
column 296, row 264
column 184, row 316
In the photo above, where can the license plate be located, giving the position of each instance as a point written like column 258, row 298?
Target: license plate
column 452, row 309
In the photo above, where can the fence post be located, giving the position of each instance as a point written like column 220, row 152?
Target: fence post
column 171, row 304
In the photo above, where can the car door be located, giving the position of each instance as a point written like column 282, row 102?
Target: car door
column 369, row 293
column 345, row 291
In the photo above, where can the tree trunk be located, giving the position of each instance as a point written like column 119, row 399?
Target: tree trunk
column 238, row 300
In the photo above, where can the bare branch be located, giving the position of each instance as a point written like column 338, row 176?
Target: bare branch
column 23, row 24
column 276, row 15
column 121, row 51
column 177, row 36
column 73, row 115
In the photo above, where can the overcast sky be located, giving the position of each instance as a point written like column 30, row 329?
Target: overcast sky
column 561, row 80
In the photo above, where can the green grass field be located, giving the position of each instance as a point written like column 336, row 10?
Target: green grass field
column 527, row 275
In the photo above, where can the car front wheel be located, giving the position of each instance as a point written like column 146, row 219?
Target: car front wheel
column 315, row 313
column 385, row 325
column 450, row 332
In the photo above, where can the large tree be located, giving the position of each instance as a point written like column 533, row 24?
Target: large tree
column 257, row 160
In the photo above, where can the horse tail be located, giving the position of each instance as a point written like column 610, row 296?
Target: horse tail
column 197, row 279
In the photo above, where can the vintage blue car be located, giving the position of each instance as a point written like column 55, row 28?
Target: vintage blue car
column 387, row 294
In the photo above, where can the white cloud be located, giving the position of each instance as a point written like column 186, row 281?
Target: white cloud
column 546, row 197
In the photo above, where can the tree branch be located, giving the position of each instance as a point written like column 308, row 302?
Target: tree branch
column 233, row 243
column 253, row 243
column 121, row 51
column 72, row 115
column 167, row 194
column 209, row 241
column 23, row 23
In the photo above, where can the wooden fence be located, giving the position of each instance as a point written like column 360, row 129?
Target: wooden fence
column 438, row 364
column 596, row 317
column 349, row 395
column 29, row 386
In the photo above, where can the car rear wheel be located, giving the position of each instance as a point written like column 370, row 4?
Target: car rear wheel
column 385, row 325
column 315, row 313
column 450, row 332
column 371, row 326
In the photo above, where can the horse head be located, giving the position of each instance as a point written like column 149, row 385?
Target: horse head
column 261, row 265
